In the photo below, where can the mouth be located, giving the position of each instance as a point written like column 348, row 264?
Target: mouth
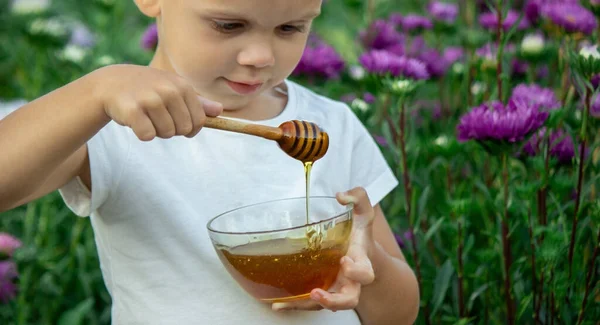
column 244, row 88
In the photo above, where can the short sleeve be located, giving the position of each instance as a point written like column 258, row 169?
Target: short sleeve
column 369, row 168
column 108, row 151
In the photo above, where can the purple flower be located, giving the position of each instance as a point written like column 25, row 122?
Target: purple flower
column 453, row 54
column 533, row 8
column 396, row 19
column 438, row 64
column 150, row 38
column 320, row 60
column 380, row 35
column 595, row 108
column 348, row 98
column 380, row 140
column 442, row 11
column 8, row 244
column 542, row 72
column 435, row 63
column 561, row 145
column 595, row 79
column 383, row 62
column 8, row 272
column 415, row 22
column 572, row 17
column 487, row 52
column 519, row 68
column 417, row 46
column 495, row 121
column 534, row 94
column 402, row 239
column 369, row 98
column 489, row 20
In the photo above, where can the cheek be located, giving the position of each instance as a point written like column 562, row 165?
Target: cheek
column 289, row 55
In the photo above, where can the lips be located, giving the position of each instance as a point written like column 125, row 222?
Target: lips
column 244, row 88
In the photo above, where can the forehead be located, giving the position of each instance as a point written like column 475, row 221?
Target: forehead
column 263, row 11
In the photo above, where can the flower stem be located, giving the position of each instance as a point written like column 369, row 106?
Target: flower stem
column 588, row 96
column 406, row 177
column 408, row 195
column 499, row 31
column 371, row 6
column 588, row 279
column 533, row 271
column 506, row 246
column 461, row 298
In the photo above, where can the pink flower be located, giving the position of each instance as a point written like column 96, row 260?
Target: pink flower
column 8, row 289
column 8, row 244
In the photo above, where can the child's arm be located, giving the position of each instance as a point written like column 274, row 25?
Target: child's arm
column 393, row 298
column 42, row 144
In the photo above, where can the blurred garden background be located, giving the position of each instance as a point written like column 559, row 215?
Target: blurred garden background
column 486, row 110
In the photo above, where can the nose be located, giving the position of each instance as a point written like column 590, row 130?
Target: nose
column 258, row 55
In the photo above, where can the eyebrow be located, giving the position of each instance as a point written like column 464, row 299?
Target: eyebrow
column 226, row 14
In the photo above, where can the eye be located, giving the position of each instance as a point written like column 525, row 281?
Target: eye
column 291, row 29
column 227, row 27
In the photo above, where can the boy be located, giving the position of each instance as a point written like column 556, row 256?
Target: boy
column 150, row 192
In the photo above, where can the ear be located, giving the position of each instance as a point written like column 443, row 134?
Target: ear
column 150, row 8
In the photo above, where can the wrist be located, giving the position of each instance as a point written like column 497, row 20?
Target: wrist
column 378, row 257
column 94, row 84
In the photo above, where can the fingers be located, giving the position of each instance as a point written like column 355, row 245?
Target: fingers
column 359, row 270
column 357, row 196
column 143, row 127
column 157, row 111
column 199, row 108
column 346, row 298
column 296, row 305
column 211, row 108
column 170, row 111
column 178, row 110
column 355, row 273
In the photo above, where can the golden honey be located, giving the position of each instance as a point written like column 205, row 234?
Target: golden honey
column 288, row 269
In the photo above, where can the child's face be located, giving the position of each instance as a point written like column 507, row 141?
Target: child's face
column 218, row 44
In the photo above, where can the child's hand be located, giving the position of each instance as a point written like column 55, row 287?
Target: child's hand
column 356, row 269
column 152, row 102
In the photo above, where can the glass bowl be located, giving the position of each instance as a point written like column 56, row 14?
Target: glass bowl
column 274, row 254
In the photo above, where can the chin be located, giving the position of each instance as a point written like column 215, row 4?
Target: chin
column 234, row 103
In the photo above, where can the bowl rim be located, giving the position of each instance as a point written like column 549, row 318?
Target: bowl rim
column 349, row 209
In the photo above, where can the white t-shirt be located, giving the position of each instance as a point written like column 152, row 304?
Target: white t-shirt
column 151, row 201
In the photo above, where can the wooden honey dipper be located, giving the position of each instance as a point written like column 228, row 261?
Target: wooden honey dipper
column 301, row 140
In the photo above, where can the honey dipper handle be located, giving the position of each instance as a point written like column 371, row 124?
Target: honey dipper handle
column 263, row 131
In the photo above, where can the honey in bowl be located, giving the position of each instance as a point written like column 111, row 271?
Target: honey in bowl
column 287, row 269
column 282, row 264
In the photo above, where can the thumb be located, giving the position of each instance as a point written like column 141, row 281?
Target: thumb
column 357, row 196
column 211, row 108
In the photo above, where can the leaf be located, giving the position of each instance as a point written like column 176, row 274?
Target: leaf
column 524, row 305
column 468, row 246
column 476, row 294
column 423, row 200
column 434, row 228
column 76, row 315
column 442, row 282
column 484, row 189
